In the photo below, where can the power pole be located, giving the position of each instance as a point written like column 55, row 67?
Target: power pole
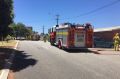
column 43, row 30
column 57, row 19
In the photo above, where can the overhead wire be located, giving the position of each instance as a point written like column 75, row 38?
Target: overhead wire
column 95, row 10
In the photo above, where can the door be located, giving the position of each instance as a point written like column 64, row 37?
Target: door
column 80, row 39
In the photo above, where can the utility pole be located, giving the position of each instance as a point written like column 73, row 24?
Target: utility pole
column 57, row 19
column 43, row 29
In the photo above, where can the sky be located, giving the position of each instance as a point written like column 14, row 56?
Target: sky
column 39, row 13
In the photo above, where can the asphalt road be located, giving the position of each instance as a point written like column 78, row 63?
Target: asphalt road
column 39, row 60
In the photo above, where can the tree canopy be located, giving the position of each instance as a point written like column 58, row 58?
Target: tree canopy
column 20, row 30
column 6, row 16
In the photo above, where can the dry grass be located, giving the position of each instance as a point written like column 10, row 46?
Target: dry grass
column 9, row 43
column 0, row 72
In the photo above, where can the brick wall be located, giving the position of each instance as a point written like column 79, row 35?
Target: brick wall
column 107, row 35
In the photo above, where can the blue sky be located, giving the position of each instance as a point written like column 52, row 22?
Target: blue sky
column 37, row 13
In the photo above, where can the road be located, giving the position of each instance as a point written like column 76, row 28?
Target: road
column 39, row 60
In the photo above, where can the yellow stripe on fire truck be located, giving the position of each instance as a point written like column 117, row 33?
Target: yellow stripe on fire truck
column 62, row 33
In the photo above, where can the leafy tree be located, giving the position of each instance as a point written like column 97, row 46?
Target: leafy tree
column 6, row 17
column 19, row 30
column 12, row 29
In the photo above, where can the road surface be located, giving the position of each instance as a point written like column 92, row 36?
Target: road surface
column 39, row 60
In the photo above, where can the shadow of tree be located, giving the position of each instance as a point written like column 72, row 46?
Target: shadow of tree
column 21, row 60
column 4, row 55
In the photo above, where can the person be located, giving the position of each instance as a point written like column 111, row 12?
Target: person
column 116, row 39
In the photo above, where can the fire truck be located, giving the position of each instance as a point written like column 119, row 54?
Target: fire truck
column 72, row 36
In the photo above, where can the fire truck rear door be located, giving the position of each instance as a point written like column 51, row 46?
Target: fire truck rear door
column 79, row 39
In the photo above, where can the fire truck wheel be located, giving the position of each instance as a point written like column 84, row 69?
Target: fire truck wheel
column 52, row 44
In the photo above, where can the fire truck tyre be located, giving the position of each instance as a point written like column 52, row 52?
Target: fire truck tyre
column 59, row 45
column 52, row 43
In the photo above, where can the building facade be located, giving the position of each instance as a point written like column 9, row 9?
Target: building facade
column 107, row 33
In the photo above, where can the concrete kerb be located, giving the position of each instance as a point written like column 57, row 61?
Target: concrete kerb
column 5, row 72
column 95, row 52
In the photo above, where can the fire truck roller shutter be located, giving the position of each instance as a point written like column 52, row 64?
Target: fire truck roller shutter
column 80, row 39
column 64, row 36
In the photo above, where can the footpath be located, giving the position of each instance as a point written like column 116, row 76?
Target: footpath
column 8, row 58
column 104, row 51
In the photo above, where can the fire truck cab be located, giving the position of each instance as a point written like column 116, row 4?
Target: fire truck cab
column 72, row 36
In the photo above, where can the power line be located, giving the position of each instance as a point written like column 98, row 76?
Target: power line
column 41, row 27
column 57, row 18
column 95, row 10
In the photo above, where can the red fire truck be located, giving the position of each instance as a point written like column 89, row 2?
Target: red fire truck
column 72, row 36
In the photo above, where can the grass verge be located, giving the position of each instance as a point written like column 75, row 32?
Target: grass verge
column 10, row 43
column 5, row 51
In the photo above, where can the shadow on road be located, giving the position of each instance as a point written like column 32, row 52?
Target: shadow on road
column 78, row 50
column 4, row 55
column 83, row 50
column 20, row 61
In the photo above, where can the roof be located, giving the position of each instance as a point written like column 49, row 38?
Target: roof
column 107, row 29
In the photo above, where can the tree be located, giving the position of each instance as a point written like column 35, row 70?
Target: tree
column 6, row 17
column 12, row 29
column 19, row 30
